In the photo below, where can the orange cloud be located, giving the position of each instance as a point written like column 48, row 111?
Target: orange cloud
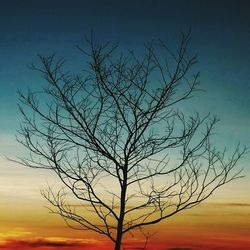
column 44, row 244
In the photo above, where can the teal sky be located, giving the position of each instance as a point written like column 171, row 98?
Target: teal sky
column 220, row 35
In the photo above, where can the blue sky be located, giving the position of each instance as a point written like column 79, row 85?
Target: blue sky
column 220, row 35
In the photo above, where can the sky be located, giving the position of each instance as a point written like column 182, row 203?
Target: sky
column 220, row 32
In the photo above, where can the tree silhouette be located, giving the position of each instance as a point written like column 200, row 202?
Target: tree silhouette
column 116, row 138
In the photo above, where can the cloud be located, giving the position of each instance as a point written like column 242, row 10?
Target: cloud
column 39, row 243
column 14, row 233
column 227, row 204
column 43, row 244
column 237, row 204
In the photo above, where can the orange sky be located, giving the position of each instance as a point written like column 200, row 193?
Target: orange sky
column 210, row 226
column 221, row 223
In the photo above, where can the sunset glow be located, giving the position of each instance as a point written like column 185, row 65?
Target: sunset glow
column 219, row 35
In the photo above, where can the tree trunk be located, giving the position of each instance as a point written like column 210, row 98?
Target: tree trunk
column 122, row 211
column 118, row 240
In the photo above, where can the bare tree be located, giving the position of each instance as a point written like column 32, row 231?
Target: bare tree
column 116, row 138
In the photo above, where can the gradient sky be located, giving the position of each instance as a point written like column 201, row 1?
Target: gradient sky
column 220, row 35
